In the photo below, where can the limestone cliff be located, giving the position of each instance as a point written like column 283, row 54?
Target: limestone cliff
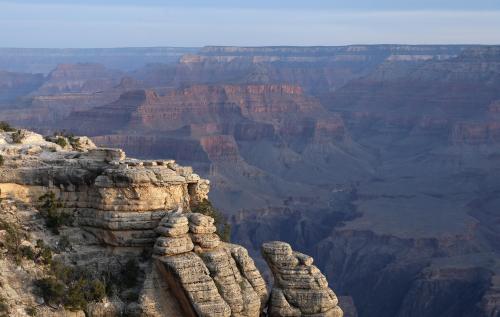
column 121, row 211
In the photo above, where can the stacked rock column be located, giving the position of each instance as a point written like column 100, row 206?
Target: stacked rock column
column 214, row 278
column 174, row 237
column 300, row 289
column 202, row 231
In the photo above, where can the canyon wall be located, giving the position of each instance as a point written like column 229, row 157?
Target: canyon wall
column 379, row 161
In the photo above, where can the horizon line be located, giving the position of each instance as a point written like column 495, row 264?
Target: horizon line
column 242, row 46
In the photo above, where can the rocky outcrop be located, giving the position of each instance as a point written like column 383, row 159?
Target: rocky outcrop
column 120, row 200
column 211, row 278
column 299, row 287
column 130, row 205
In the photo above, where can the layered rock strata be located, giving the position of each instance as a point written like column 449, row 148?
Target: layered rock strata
column 141, row 204
column 118, row 199
column 300, row 289
column 211, row 278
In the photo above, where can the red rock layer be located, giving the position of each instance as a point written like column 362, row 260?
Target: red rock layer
column 221, row 148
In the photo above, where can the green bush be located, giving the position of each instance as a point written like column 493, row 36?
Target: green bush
column 12, row 240
column 27, row 252
column 70, row 286
column 12, row 243
column 223, row 227
column 51, row 289
column 44, row 253
column 97, row 290
column 83, row 291
column 18, row 136
column 75, row 299
column 2, row 160
column 61, row 271
column 73, row 141
column 61, row 142
column 5, row 127
column 51, row 210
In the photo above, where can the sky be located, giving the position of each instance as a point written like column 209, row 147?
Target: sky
column 195, row 23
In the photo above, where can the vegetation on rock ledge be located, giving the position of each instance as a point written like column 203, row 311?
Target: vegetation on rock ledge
column 12, row 240
column 61, row 142
column 6, row 127
column 51, row 210
column 18, row 136
column 63, row 138
column 72, row 287
column 223, row 227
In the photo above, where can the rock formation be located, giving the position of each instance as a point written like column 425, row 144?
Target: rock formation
column 211, row 278
column 299, row 287
column 129, row 204
column 120, row 200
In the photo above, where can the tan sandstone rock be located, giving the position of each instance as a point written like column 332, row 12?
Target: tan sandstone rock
column 217, row 279
column 118, row 200
column 136, row 205
column 300, row 289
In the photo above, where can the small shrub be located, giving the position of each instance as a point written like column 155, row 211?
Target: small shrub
column 223, row 227
column 73, row 141
column 31, row 311
column 83, row 291
column 12, row 241
column 27, row 252
column 51, row 289
column 51, row 209
column 70, row 286
column 18, row 136
column 2, row 160
column 75, row 299
column 5, row 127
column 61, row 271
column 44, row 253
column 61, row 142
column 97, row 290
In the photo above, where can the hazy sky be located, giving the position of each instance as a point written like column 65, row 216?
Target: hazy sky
column 113, row 23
